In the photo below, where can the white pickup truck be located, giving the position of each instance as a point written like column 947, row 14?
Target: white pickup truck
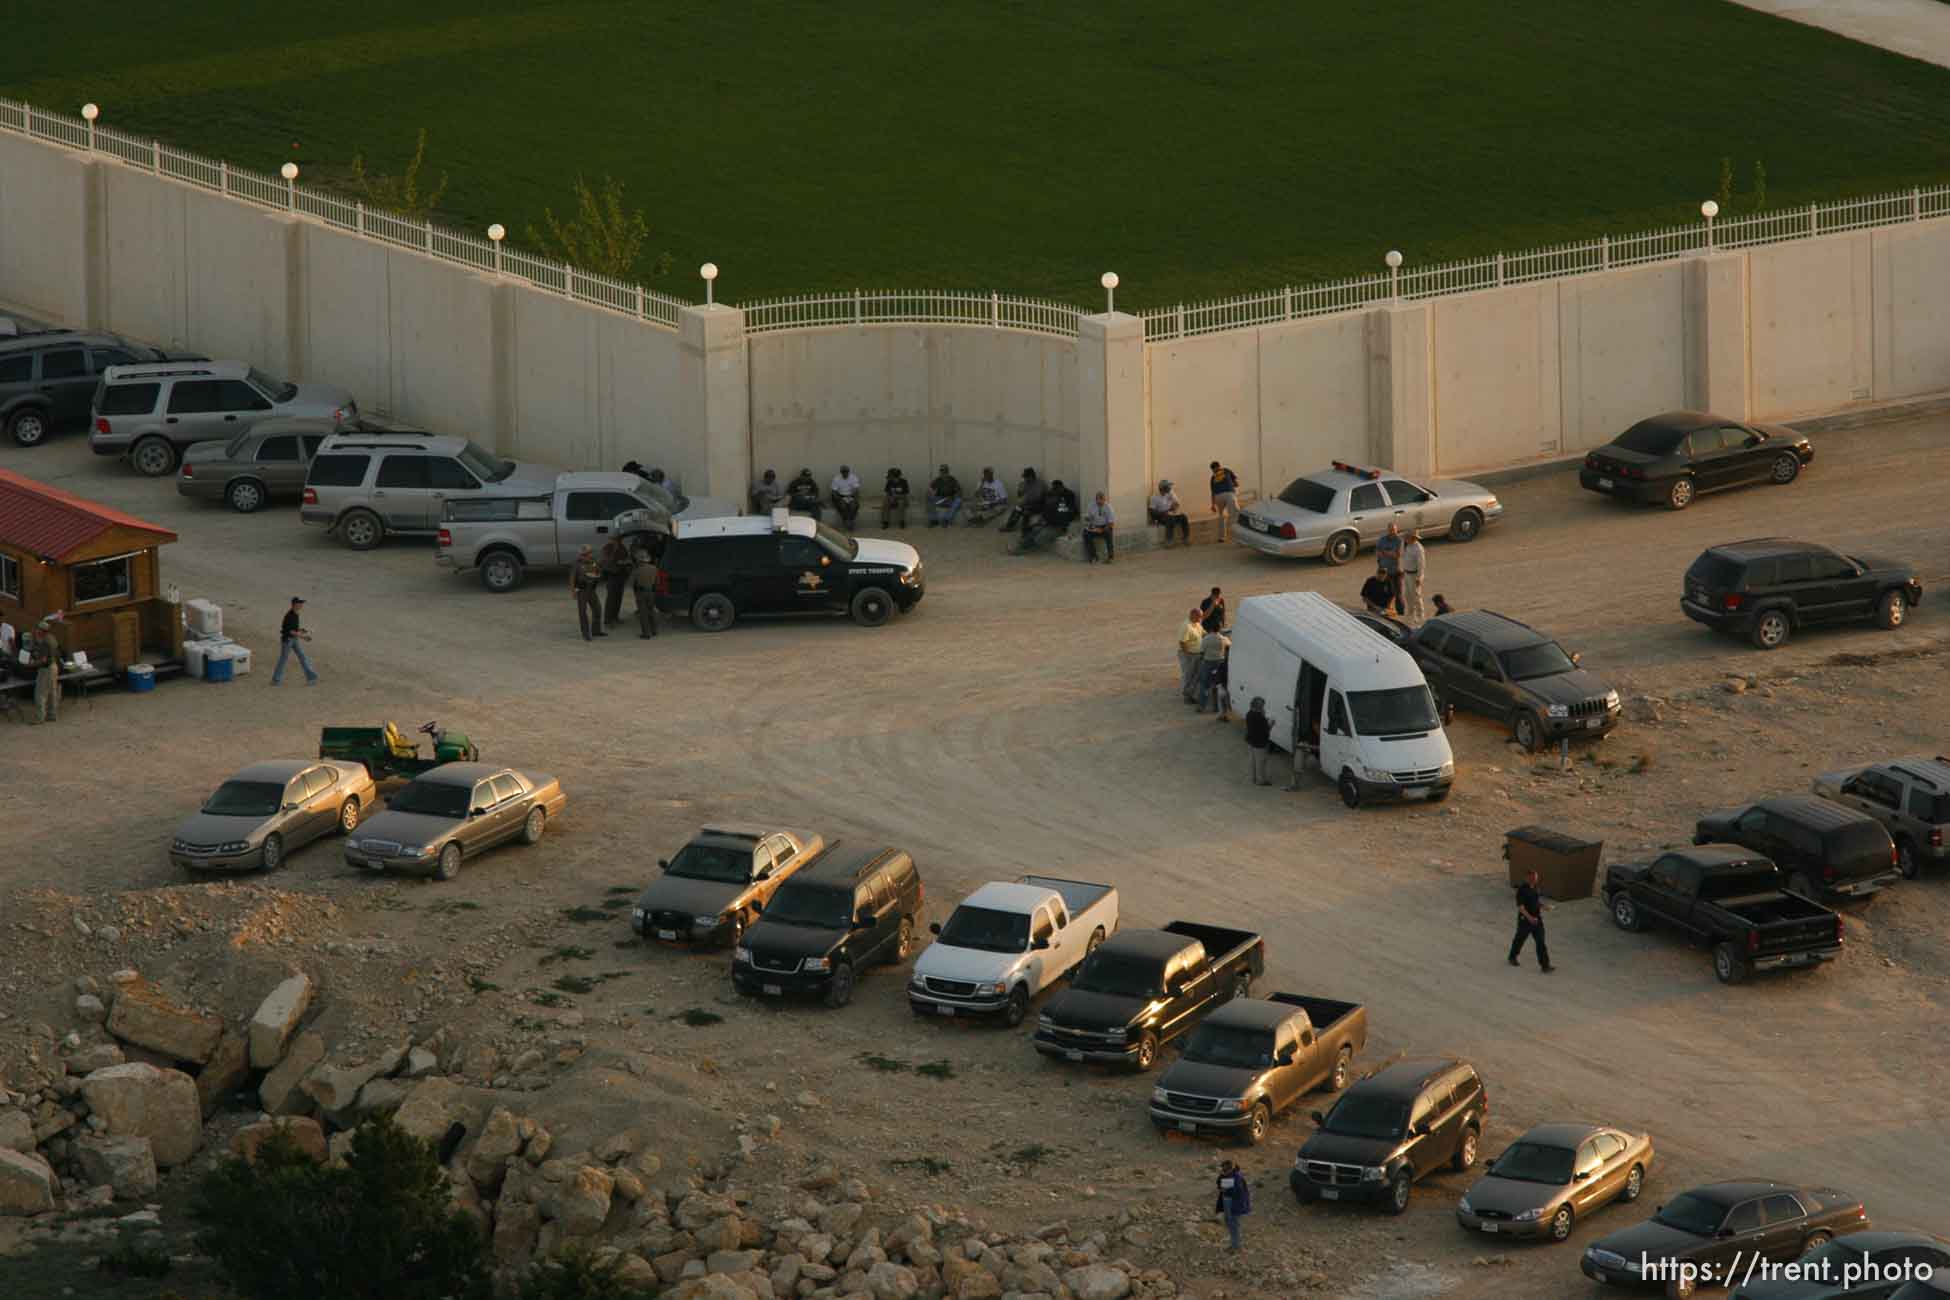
column 1007, row 942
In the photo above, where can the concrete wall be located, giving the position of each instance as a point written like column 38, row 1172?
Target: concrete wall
column 1812, row 324
column 1622, row 350
column 44, row 230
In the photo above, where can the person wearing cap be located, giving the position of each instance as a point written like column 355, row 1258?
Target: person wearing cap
column 944, row 498
column 1388, row 557
column 1029, row 501
column 1441, row 605
column 893, row 499
column 614, row 559
column 1259, row 740
column 586, row 581
column 802, row 494
column 291, row 639
column 643, row 579
column 1415, row 568
column 767, row 493
column 991, row 499
column 1225, row 499
column 1166, row 509
column 44, row 652
column 1100, row 525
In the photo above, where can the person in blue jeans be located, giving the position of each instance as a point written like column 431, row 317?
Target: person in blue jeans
column 1235, row 1199
column 944, row 498
column 291, row 636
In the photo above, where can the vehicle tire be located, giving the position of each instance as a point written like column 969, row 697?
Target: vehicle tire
column 502, row 571
column 1817, row 1238
column 29, row 426
column 1681, row 1287
column 245, row 496
column 1890, row 609
column 349, row 816
column 1467, row 526
column 1906, row 860
column 1561, row 1222
column 448, row 865
column 153, row 457
column 1350, row 791
column 1016, row 1009
column 273, row 852
column 1625, row 912
column 1147, row 1051
column 1257, row 1123
column 1400, row 1189
column 872, row 606
column 1528, row 731
column 1342, row 547
column 1798, row 883
column 1679, row 494
column 1771, row 629
column 1634, row 1185
column 1786, row 468
column 531, row 830
column 1728, row 963
column 1343, row 1070
column 840, row 991
column 1465, row 1157
column 713, row 612
column 903, row 943
column 361, row 530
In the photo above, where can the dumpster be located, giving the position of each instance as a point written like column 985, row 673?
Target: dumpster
column 1566, row 867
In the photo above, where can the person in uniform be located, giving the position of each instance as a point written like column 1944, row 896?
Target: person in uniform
column 893, row 499
column 614, row 561
column 47, row 672
column 586, row 581
column 1530, row 923
column 643, row 577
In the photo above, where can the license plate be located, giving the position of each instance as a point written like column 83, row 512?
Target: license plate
column 773, row 989
column 1329, row 1194
column 1606, row 483
column 1186, row 1126
column 1592, row 724
column 944, row 1011
column 666, row 934
column 1416, row 792
column 1073, row 1056
column 1489, row 1227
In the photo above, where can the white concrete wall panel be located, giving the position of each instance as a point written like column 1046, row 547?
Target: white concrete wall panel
column 637, row 400
column 1004, row 398
column 1496, row 377
column 443, row 355
column 1314, row 397
column 348, row 315
column 236, row 282
column 1622, row 348
column 1811, row 315
column 1205, row 407
column 1912, row 316
column 556, row 383
column 144, row 236
column 43, row 240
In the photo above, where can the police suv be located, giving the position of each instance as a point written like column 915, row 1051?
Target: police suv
column 718, row 570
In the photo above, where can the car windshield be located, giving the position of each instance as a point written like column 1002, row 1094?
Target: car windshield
column 1649, row 438
column 1546, row 659
column 1118, row 973
column 483, row 465
column 245, row 799
column 1307, row 494
column 723, row 863
column 1691, row 1214
column 836, row 541
column 1533, row 1162
column 823, row 909
column 433, row 799
column 1404, row 711
column 1368, row 1116
column 278, row 389
column 986, row 929
column 1229, row 1046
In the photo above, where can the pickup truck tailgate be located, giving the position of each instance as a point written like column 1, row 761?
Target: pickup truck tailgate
column 1785, row 923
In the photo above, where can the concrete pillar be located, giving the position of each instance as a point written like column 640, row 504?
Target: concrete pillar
column 1718, row 370
column 1401, row 392
column 1113, row 436
column 503, row 366
column 297, row 312
column 713, row 372
column 93, row 303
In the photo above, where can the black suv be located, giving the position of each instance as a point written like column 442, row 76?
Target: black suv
column 47, row 379
column 1488, row 664
column 852, row 908
column 1389, row 1130
column 1766, row 588
column 717, row 570
column 1822, row 847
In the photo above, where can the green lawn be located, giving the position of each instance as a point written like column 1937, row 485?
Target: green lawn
column 1196, row 149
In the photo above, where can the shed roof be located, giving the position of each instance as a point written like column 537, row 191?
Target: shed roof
column 49, row 522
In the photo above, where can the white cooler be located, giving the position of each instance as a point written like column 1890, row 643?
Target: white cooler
column 194, row 653
column 205, row 618
column 240, row 658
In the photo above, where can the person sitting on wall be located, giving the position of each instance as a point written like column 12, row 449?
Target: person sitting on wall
column 1166, row 509
column 893, row 499
column 846, row 496
column 1060, row 507
column 944, row 499
column 991, row 499
column 1029, row 500
column 767, row 493
column 802, row 494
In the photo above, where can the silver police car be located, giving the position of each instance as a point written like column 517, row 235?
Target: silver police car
column 1339, row 512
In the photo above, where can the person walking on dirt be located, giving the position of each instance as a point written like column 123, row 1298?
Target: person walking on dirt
column 1212, row 648
column 1235, row 1199
column 586, row 580
column 614, row 559
column 1259, row 739
column 643, row 577
column 1225, row 499
column 1415, row 567
column 1190, row 637
column 1530, row 923
column 291, row 636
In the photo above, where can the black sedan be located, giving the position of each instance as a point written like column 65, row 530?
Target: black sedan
column 1860, row 1266
column 1695, row 1241
column 1674, row 457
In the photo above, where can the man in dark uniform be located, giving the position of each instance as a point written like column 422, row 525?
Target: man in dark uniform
column 615, row 562
column 586, row 580
column 1530, row 923
column 644, row 579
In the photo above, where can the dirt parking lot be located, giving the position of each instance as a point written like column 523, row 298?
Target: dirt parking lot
column 1024, row 719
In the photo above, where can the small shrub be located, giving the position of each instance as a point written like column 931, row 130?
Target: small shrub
column 621, row 889
column 885, row 1064
column 922, row 1164
column 575, row 984
column 1033, row 1154
column 936, row 1070
column 698, row 1017
column 576, row 1276
column 604, row 236
column 567, row 952
column 545, row 998
column 400, row 194
column 449, row 906
column 479, row 985
column 584, row 915
column 136, row 1257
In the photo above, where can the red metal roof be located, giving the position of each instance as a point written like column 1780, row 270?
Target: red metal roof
column 49, row 522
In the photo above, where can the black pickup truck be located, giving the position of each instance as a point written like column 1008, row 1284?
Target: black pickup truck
column 1730, row 898
column 1146, row 987
column 1255, row 1057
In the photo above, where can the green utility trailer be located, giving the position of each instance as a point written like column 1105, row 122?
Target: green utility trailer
column 386, row 751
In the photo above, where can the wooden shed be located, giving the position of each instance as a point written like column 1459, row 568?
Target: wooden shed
column 101, row 569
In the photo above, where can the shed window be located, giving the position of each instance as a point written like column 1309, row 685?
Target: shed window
column 101, row 580
column 9, row 577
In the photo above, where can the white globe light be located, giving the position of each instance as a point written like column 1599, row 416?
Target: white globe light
column 90, row 111
column 1110, row 280
column 289, row 171
column 497, row 232
column 1709, row 209
column 1394, row 258
column 709, row 270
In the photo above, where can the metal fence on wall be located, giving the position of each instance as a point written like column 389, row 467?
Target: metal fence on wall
column 997, row 311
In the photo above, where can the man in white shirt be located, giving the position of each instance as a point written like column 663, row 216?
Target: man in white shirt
column 1415, row 563
column 991, row 499
column 1166, row 509
column 1100, row 525
column 846, row 496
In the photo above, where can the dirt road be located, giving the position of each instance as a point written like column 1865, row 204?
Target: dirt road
column 1023, row 718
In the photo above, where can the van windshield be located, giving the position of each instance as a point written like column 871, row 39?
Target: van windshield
column 1406, row 710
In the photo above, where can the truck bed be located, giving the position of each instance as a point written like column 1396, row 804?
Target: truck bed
column 1078, row 895
column 1325, row 1013
column 1221, row 944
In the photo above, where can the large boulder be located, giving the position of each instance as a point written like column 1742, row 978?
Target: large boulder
column 582, row 1203
column 516, row 1225
column 148, row 1017
column 137, row 1100
column 126, row 1164
column 277, row 1020
column 431, row 1108
column 711, row 1286
column 381, row 1097
column 499, row 1142
column 1098, row 1282
column 227, row 1071
column 336, row 1087
column 100, row 1056
column 280, row 1094
column 27, row 1183
column 890, row 1281
column 16, row 1130
column 301, row 1129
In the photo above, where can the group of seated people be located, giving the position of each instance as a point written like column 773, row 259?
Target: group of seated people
column 945, row 497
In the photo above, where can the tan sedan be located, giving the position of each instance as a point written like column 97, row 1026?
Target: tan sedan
column 453, row 812
column 268, row 810
column 1553, row 1176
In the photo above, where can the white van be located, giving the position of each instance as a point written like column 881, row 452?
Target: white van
column 1342, row 695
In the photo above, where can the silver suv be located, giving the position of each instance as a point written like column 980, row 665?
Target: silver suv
column 367, row 486
column 1909, row 796
column 149, row 413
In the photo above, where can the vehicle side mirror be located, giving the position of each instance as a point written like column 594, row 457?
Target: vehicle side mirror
column 1320, row 1119
column 1581, row 1175
column 934, row 927
column 477, row 812
column 762, row 873
column 864, row 921
column 1577, row 658
column 663, row 864
column 1420, row 1130
column 1756, row 439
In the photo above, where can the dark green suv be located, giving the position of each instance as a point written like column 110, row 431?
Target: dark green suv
column 1769, row 588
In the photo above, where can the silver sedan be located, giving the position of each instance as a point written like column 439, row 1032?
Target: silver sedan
column 267, row 810
column 1339, row 512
